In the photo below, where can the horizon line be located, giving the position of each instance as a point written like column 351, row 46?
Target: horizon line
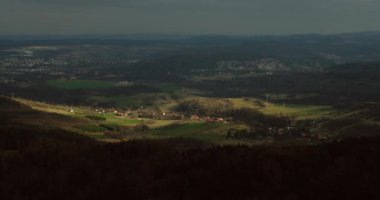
column 166, row 35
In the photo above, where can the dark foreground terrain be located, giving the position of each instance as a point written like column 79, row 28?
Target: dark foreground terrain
column 53, row 164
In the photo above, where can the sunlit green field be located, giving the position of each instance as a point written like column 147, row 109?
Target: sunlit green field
column 297, row 111
column 113, row 119
column 209, row 132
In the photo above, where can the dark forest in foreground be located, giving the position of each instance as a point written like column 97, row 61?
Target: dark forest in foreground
column 59, row 165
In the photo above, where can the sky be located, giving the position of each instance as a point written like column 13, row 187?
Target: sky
column 235, row 17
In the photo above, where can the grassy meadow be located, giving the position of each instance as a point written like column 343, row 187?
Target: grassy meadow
column 165, row 99
column 165, row 128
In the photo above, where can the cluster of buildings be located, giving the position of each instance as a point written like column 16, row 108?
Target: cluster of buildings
column 209, row 119
column 31, row 62
column 267, row 65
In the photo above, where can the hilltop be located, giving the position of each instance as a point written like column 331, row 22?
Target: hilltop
column 213, row 121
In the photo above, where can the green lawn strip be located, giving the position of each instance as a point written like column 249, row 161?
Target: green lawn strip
column 112, row 119
column 80, row 84
column 189, row 130
column 168, row 87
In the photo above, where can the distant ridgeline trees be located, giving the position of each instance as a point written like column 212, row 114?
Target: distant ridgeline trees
column 356, row 67
column 346, row 83
column 204, row 108
column 224, row 108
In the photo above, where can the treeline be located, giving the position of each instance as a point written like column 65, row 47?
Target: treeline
column 224, row 109
column 260, row 126
column 358, row 83
column 204, row 108
column 57, row 165
column 266, row 126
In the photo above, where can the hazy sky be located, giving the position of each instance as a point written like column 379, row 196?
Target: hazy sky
column 188, row 16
